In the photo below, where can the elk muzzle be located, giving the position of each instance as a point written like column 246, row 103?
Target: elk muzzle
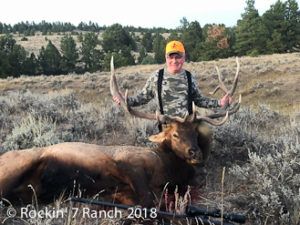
column 194, row 155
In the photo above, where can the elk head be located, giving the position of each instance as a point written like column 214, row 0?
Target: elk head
column 182, row 139
column 180, row 134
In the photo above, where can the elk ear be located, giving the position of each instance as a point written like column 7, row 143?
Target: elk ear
column 158, row 138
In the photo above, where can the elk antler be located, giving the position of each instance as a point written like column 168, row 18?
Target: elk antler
column 224, row 109
column 114, row 89
column 208, row 119
column 221, row 84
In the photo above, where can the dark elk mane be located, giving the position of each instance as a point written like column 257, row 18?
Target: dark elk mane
column 139, row 173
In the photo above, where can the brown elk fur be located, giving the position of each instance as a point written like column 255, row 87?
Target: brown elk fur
column 129, row 174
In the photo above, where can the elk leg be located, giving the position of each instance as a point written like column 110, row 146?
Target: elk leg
column 16, row 170
column 140, row 182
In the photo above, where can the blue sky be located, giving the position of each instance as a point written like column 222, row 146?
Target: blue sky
column 151, row 13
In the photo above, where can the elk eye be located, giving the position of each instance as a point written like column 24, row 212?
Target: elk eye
column 175, row 135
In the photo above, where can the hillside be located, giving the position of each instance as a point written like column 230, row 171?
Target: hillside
column 271, row 79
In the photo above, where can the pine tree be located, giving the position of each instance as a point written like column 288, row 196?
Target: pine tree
column 5, row 67
column 251, row 34
column 147, row 41
column 115, row 38
column 142, row 55
column 159, row 45
column 274, row 21
column 173, row 36
column 127, row 58
column 191, row 36
column 30, row 65
column 13, row 56
column 275, row 44
column 50, row 60
column 16, row 59
column 118, row 60
column 292, row 17
column 7, row 43
column 91, row 56
column 69, row 54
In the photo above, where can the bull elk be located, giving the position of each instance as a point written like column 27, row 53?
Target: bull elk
column 129, row 174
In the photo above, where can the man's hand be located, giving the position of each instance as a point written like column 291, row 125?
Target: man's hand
column 116, row 99
column 224, row 99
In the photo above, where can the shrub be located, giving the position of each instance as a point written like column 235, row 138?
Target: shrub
column 254, row 53
column 148, row 60
column 262, row 154
column 139, row 130
column 74, row 120
column 31, row 132
column 272, row 182
column 24, row 39
column 85, row 125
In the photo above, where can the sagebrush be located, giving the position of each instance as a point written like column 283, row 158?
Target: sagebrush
column 259, row 148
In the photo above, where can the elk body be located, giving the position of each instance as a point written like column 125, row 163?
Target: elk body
column 129, row 174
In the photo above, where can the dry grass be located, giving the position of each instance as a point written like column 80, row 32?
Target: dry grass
column 35, row 43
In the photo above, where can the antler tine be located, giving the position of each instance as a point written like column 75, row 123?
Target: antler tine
column 193, row 115
column 114, row 89
column 232, row 90
column 223, row 112
column 220, row 85
column 224, row 109
column 210, row 118
column 212, row 121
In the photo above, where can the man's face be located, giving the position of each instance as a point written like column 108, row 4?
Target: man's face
column 174, row 63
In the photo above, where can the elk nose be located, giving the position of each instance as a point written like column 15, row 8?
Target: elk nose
column 192, row 152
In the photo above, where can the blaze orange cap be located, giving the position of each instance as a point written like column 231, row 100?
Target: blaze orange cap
column 175, row 47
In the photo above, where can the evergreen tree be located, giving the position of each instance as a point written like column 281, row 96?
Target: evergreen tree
column 292, row 18
column 275, row 44
column 117, row 60
column 127, row 58
column 50, row 60
column 91, row 56
column 148, row 60
column 115, row 38
column 191, row 36
column 142, row 55
column 30, row 65
column 147, row 41
column 13, row 56
column 69, row 53
column 184, row 23
column 159, row 45
column 7, row 43
column 274, row 21
column 5, row 67
column 16, row 59
column 173, row 36
column 251, row 34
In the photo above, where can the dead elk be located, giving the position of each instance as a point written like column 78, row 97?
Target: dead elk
column 131, row 175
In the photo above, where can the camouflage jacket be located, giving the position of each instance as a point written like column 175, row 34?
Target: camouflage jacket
column 174, row 94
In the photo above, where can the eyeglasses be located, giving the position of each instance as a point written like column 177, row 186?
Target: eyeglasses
column 175, row 56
